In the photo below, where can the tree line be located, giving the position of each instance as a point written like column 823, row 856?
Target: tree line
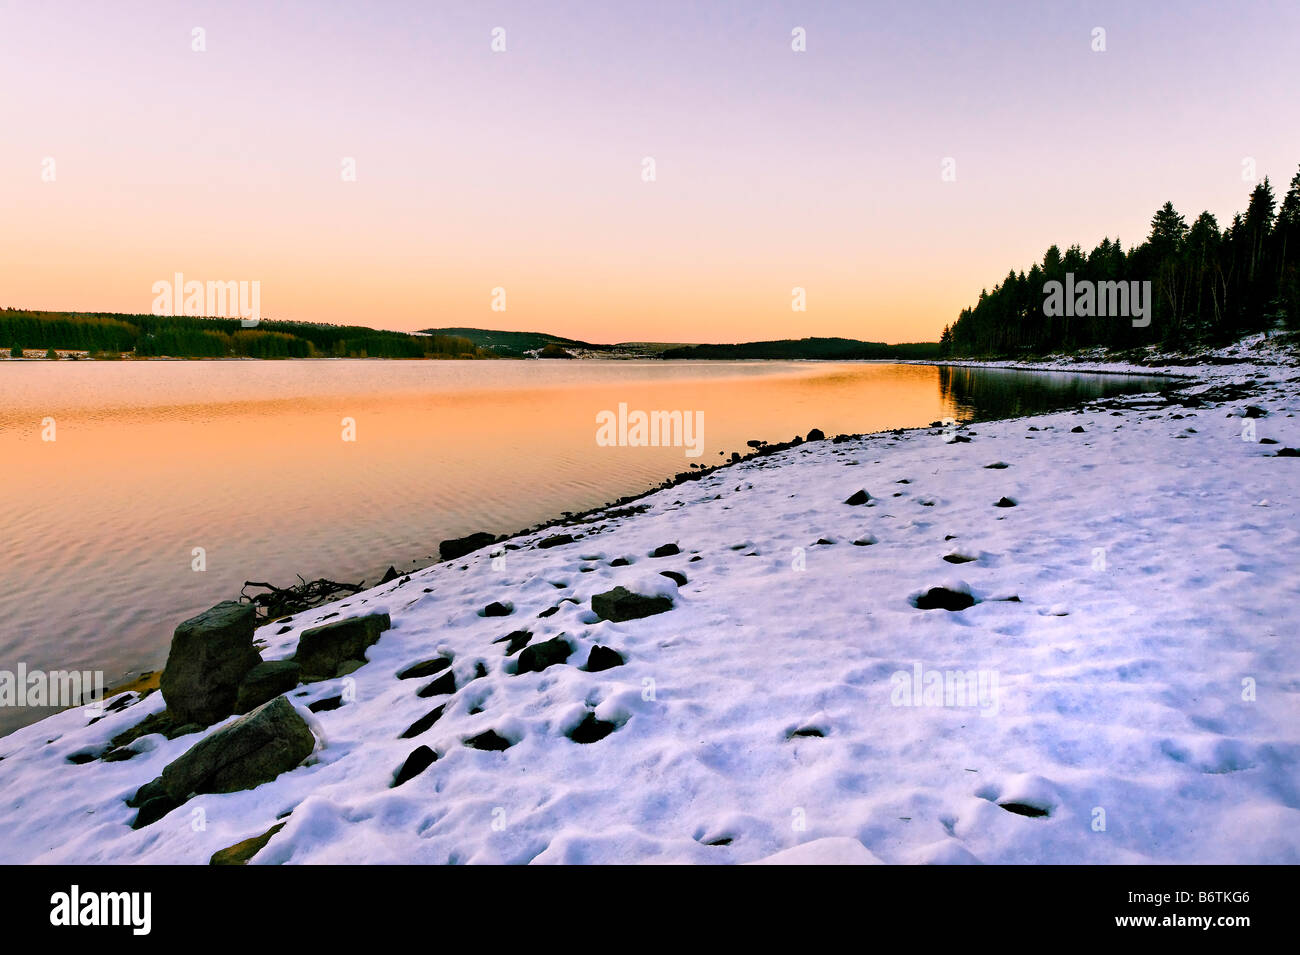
column 1209, row 286
column 150, row 336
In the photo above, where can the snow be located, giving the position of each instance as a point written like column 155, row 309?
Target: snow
column 755, row 720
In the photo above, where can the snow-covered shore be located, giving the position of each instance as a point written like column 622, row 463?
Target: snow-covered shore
column 1141, row 696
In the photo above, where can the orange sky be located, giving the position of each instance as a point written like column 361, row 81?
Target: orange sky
column 523, row 169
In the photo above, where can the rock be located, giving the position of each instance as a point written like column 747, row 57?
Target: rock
column 241, row 852
column 997, row 466
column 1004, row 502
column 424, row 722
column 622, row 604
column 959, row 558
column 488, row 741
column 497, row 609
column 603, row 658
column 349, row 666
column 149, row 790
column 515, row 640
column 857, row 498
column 555, row 540
column 539, row 656
column 460, row 546
column 1024, row 809
column 675, row 576
column 591, row 730
column 549, row 611
column 443, row 685
column 321, row 650
column 390, row 575
column 424, row 668
column 118, row 754
column 1254, row 411
column 326, row 704
column 252, row 750
column 421, row 758
column 941, row 598
column 210, row 655
column 1077, row 429
column 619, row 562
column 815, row 434
column 265, row 681
column 1287, row 453
column 665, row 550
column 153, row 809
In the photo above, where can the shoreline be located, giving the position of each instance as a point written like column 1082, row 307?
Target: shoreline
column 1119, row 687
column 147, row 680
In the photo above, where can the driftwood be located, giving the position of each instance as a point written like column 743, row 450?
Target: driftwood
column 282, row 601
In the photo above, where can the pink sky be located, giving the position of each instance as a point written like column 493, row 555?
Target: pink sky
column 522, row 169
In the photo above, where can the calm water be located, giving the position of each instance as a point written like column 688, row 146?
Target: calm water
column 247, row 460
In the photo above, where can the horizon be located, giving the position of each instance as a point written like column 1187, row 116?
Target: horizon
column 523, row 170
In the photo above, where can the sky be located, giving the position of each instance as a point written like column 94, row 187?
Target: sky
column 525, row 169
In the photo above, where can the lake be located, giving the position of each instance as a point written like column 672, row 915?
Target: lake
column 251, row 462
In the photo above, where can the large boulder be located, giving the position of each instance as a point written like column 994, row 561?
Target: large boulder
column 266, row 681
column 322, row 651
column 252, row 750
column 460, row 546
column 210, row 656
column 622, row 604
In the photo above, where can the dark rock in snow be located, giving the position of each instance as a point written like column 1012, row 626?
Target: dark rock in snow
column 619, row 562
column 460, row 546
column 941, row 598
column 1287, row 453
column 424, row 668
column 153, row 809
column 421, row 758
column 665, row 550
column 1004, row 502
column 539, row 656
column 516, row 640
column 622, row 604
column 675, row 576
column 958, row 558
column 1024, row 809
column 603, row 658
column 489, row 740
column 210, row 655
column 816, row 434
column 389, row 575
column 1077, row 429
column 326, row 704
column 497, row 609
column 439, row 687
column 424, row 722
column 323, row 650
column 857, row 498
column 555, row 540
column 591, row 730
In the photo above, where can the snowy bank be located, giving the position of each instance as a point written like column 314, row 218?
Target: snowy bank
column 1124, row 685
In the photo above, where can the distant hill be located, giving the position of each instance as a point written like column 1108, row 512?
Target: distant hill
column 513, row 344
column 180, row 336
column 518, row 344
column 824, row 349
